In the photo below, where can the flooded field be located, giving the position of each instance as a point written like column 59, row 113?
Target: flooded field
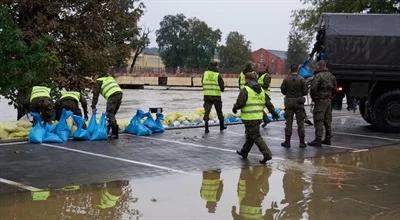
column 361, row 185
column 170, row 99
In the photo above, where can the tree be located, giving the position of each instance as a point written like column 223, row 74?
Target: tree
column 306, row 19
column 138, row 45
column 171, row 40
column 297, row 47
column 235, row 53
column 202, row 44
column 188, row 43
column 23, row 65
column 89, row 36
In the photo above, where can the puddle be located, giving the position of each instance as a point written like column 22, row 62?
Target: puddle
column 362, row 185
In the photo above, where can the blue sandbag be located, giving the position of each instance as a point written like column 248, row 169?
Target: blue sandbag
column 136, row 127
column 159, row 123
column 101, row 132
column 37, row 132
column 232, row 119
column 152, row 125
column 80, row 133
column 92, row 127
column 50, row 136
column 305, row 71
column 62, row 129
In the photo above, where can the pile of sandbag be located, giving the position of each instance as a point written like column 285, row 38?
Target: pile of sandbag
column 14, row 130
column 143, row 124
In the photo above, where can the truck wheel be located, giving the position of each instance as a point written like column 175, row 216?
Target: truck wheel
column 367, row 117
column 387, row 111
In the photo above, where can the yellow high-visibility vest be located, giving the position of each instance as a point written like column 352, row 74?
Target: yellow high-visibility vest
column 40, row 91
column 107, row 200
column 210, row 84
column 209, row 190
column 109, row 86
column 254, row 108
column 242, row 80
column 71, row 94
column 261, row 82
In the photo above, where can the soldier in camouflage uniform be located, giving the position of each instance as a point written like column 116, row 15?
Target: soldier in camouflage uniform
column 323, row 88
column 251, row 102
column 294, row 88
column 42, row 103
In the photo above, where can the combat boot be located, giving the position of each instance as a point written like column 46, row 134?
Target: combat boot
column 222, row 125
column 243, row 154
column 302, row 143
column 326, row 141
column 109, row 130
column 315, row 143
column 115, row 131
column 206, row 130
column 287, row 142
column 266, row 158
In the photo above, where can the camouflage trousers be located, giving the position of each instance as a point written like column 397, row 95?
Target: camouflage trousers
column 209, row 101
column 294, row 107
column 112, row 107
column 45, row 107
column 322, row 118
column 253, row 136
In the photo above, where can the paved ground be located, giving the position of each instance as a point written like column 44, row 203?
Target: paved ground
column 175, row 151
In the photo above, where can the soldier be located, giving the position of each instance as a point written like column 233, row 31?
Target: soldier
column 264, row 79
column 323, row 88
column 294, row 88
column 69, row 101
column 242, row 78
column 213, row 85
column 251, row 102
column 41, row 102
column 211, row 189
column 110, row 90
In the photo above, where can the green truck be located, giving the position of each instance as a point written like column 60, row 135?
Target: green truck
column 363, row 52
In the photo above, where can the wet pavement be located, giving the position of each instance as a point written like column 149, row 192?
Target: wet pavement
column 185, row 174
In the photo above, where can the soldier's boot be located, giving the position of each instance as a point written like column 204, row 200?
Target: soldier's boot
column 206, row 130
column 266, row 158
column 109, row 131
column 308, row 122
column 302, row 142
column 287, row 142
column 266, row 121
column 315, row 143
column 327, row 141
column 115, row 131
column 243, row 154
column 222, row 125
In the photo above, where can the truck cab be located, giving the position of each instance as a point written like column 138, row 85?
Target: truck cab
column 363, row 52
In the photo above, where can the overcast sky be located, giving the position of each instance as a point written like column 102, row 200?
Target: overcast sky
column 265, row 23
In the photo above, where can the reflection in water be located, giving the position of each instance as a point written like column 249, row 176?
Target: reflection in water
column 96, row 201
column 252, row 188
column 211, row 189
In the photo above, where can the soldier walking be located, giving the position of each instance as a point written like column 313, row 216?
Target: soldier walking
column 213, row 85
column 251, row 102
column 323, row 88
column 294, row 88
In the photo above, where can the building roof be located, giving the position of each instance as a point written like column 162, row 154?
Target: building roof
column 279, row 53
column 151, row 51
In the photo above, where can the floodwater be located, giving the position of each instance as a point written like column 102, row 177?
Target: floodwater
column 362, row 185
column 173, row 99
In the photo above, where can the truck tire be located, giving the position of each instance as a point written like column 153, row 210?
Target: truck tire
column 387, row 111
column 367, row 117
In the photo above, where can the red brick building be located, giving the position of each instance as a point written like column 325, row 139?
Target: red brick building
column 274, row 60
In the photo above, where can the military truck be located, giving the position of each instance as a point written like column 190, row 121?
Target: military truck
column 363, row 52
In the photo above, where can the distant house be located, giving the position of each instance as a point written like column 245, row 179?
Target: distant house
column 274, row 60
column 148, row 60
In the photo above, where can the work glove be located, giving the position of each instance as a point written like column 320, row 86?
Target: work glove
column 86, row 117
column 275, row 115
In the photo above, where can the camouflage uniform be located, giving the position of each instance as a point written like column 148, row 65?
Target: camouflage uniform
column 266, row 86
column 45, row 106
column 294, row 88
column 71, row 104
column 323, row 88
column 252, row 127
